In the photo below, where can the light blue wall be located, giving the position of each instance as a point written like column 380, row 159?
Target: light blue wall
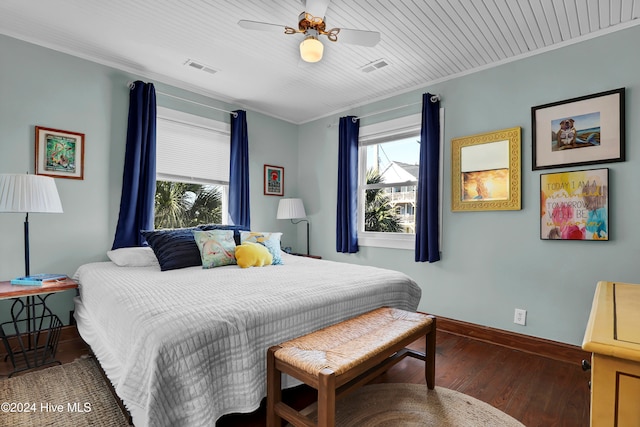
column 494, row 262
column 41, row 87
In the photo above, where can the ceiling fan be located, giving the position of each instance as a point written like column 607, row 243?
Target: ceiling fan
column 311, row 23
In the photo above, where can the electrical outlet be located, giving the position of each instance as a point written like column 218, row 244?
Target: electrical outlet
column 520, row 317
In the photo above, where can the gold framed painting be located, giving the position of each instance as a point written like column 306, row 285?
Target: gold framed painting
column 486, row 171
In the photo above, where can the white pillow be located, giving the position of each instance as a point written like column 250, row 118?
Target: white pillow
column 134, row 257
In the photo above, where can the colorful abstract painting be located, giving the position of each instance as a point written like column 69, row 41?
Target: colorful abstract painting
column 575, row 205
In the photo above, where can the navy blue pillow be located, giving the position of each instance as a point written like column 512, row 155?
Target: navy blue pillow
column 174, row 248
column 236, row 229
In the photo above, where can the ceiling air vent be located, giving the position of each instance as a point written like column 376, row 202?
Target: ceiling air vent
column 375, row 65
column 200, row 66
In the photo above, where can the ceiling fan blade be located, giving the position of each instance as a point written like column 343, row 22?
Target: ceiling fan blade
column 317, row 8
column 359, row 37
column 261, row 26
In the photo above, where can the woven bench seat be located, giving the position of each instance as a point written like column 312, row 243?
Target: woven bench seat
column 340, row 358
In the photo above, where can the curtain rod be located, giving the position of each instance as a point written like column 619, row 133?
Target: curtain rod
column 434, row 98
column 131, row 85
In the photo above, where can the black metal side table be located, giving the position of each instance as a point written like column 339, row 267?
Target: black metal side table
column 31, row 336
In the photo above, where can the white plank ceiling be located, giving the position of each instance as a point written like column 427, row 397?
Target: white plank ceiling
column 422, row 41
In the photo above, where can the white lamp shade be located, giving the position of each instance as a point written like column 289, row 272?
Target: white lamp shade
column 311, row 49
column 29, row 193
column 291, row 209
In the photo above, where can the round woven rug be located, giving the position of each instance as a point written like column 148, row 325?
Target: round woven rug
column 409, row 405
column 72, row 394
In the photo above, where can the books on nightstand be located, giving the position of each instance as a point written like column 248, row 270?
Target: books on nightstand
column 38, row 279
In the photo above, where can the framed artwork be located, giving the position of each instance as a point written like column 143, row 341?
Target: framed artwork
column 579, row 131
column 273, row 180
column 59, row 153
column 486, row 171
column 575, row 205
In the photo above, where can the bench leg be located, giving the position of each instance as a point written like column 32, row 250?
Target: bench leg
column 274, row 389
column 326, row 399
column 430, row 360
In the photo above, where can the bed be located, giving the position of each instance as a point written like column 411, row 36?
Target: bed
column 186, row 346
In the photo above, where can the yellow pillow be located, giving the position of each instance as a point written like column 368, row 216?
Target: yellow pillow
column 250, row 254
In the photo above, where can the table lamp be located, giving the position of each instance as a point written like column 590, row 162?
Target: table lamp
column 24, row 193
column 293, row 209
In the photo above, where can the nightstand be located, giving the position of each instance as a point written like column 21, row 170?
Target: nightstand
column 613, row 338
column 31, row 336
column 308, row 256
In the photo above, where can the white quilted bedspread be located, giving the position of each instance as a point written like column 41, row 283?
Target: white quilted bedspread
column 184, row 347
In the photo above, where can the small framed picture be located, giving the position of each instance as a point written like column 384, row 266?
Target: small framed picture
column 580, row 131
column 575, row 205
column 273, row 180
column 59, row 153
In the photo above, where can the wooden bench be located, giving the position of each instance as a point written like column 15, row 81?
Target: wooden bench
column 340, row 358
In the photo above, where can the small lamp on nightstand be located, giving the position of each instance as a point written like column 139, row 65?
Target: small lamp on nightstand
column 293, row 209
column 24, row 193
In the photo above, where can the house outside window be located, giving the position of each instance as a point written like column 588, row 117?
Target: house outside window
column 389, row 156
column 192, row 170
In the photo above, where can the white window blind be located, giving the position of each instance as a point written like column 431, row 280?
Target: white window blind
column 191, row 148
column 390, row 130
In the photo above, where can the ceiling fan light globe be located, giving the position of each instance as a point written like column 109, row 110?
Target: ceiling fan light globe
column 311, row 49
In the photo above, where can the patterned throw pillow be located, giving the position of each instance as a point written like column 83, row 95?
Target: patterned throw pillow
column 236, row 229
column 217, row 247
column 270, row 240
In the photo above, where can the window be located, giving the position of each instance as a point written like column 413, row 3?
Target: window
column 192, row 170
column 389, row 161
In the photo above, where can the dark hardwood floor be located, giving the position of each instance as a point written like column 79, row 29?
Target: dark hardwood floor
column 536, row 390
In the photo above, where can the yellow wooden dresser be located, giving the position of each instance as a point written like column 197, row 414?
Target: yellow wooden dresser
column 613, row 338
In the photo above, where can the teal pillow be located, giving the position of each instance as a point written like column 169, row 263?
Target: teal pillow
column 217, row 247
column 236, row 229
column 274, row 249
column 270, row 240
